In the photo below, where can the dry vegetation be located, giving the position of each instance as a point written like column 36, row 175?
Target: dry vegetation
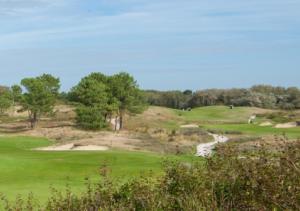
column 157, row 130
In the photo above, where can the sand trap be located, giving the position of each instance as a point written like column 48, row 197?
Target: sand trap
column 286, row 125
column 189, row 126
column 265, row 124
column 73, row 147
column 91, row 148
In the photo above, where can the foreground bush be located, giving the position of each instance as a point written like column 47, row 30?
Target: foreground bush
column 227, row 181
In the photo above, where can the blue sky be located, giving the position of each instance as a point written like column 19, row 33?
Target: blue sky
column 165, row 44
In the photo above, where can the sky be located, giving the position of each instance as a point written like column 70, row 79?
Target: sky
column 164, row 44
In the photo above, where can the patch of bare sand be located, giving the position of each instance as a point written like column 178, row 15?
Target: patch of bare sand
column 286, row 125
column 265, row 124
column 189, row 126
column 74, row 147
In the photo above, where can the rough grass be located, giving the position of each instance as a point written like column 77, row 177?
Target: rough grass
column 154, row 117
column 24, row 170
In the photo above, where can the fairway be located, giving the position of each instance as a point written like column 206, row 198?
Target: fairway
column 255, row 129
column 220, row 114
column 24, row 170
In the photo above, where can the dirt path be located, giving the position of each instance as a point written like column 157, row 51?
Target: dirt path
column 204, row 150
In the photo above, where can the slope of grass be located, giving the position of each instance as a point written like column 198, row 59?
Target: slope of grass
column 212, row 117
column 154, row 117
column 220, row 114
column 256, row 129
column 24, row 170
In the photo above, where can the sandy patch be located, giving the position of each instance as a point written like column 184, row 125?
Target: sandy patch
column 286, row 125
column 91, row 148
column 74, row 147
column 265, row 124
column 189, row 126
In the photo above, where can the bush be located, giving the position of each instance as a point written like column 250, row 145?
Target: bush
column 90, row 118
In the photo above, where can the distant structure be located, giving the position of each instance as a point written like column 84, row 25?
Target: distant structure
column 231, row 106
column 298, row 123
column 251, row 119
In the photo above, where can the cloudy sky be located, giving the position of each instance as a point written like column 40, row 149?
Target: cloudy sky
column 165, row 44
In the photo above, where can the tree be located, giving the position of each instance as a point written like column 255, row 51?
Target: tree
column 125, row 91
column 40, row 96
column 188, row 92
column 91, row 91
column 5, row 100
column 16, row 91
column 95, row 103
column 90, row 117
column 106, row 96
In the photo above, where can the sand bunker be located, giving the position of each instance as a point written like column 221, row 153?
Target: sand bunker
column 265, row 124
column 74, row 147
column 189, row 126
column 286, row 125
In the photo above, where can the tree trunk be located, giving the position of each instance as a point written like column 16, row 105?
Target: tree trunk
column 121, row 119
column 116, row 123
column 121, row 122
column 33, row 120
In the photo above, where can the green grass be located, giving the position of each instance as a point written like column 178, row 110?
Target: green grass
column 219, row 114
column 256, row 129
column 224, row 119
column 167, row 118
column 24, row 170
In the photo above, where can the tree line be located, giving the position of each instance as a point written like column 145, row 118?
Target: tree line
column 98, row 98
column 263, row 96
column 102, row 100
